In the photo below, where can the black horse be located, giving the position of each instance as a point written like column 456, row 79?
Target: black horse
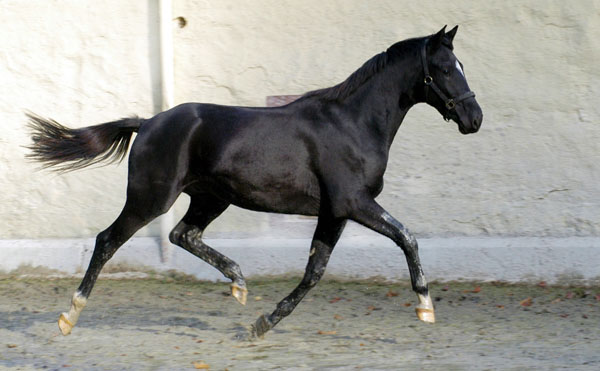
column 322, row 155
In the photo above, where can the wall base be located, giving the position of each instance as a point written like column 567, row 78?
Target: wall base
column 527, row 259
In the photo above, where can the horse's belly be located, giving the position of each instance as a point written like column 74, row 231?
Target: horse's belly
column 289, row 194
column 278, row 202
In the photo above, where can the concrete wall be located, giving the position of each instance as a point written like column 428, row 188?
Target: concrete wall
column 533, row 170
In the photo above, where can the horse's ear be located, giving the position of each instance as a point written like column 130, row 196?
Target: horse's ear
column 436, row 40
column 450, row 34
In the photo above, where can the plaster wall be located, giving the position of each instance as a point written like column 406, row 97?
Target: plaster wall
column 80, row 63
column 532, row 170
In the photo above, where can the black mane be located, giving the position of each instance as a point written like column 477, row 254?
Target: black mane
column 370, row 68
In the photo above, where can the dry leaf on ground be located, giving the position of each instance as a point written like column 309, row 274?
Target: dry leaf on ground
column 201, row 365
column 526, row 302
column 391, row 294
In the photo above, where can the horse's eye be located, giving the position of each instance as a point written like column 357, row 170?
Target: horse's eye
column 446, row 71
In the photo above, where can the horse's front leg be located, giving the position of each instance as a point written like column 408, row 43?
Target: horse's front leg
column 326, row 235
column 373, row 216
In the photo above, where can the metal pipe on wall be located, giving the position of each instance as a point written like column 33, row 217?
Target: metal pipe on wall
column 167, row 97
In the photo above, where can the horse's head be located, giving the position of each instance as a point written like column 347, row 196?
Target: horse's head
column 445, row 84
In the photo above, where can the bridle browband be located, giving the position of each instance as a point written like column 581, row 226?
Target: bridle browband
column 450, row 103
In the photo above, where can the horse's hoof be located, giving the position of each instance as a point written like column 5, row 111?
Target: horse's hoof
column 239, row 293
column 425, row 314
column 64, row 324
column 425, row 308
column 260, row 328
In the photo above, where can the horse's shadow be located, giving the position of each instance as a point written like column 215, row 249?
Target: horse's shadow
column 22, row 321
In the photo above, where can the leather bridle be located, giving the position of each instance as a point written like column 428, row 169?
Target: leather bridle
column 450, row 103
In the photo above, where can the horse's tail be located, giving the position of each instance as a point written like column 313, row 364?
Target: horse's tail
column 64, row 149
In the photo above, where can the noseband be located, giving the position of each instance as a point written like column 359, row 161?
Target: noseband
column 450, row 103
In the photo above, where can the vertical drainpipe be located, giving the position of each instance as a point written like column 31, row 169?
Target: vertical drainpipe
column 167, row 93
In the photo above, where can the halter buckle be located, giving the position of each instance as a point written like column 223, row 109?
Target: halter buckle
column 428, row 80
column 450, row 104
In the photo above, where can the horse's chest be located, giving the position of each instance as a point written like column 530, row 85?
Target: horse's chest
column 359, row 170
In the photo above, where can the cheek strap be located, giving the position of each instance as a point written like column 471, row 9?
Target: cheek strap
column 449, row 103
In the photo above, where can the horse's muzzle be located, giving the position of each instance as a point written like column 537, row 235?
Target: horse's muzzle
column 471, row 118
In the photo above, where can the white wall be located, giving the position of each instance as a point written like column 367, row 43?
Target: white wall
column 532, row 170
column 81, row 63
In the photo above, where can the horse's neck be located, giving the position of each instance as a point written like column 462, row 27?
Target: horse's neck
column 384, row 101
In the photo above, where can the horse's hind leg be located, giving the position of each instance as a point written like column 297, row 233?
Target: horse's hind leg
column 188, row 234
column 326, row 236
column 135, row 214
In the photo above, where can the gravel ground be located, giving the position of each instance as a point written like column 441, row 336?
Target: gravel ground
column 175, row 323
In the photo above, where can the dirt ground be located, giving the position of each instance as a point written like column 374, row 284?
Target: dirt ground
column 175, row 323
